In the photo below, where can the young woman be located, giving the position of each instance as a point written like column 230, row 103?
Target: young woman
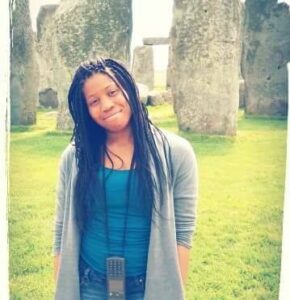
column 126, row 198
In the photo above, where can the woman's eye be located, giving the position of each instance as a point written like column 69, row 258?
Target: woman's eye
column 113, row 92
column 94, row 102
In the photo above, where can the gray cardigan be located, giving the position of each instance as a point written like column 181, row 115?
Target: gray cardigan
column 163, row 278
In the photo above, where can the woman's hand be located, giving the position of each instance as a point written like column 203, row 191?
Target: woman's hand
column 183, row 258
column 56, row 266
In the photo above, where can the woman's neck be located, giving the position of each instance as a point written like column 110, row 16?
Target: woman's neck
column 120, row 147
column 124, row 138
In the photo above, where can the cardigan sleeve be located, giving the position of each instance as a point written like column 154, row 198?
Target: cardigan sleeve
column 185, row 192
column 60, row 203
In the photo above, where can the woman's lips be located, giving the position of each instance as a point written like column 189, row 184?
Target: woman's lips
column 111, row 115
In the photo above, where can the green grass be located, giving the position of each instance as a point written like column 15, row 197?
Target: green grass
column 236, row 252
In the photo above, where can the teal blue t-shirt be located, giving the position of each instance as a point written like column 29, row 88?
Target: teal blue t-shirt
column 94, row 248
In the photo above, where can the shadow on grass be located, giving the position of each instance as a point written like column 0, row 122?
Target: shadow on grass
column 261, row 123
column 21, row 128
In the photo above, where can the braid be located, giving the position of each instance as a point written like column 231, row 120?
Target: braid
column 90, row 139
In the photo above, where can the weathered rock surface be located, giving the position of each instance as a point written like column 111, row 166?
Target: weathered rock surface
column 24, row 69
column 242, row 95
column 143, row 92
column 155, row 98
column 77, row 31
column 45, row 13
column 205, row 39
column 46, row 48
column 265, row 56
column 156, row 41
column 143, row 65
column 48, row 98
column 169, row 67
column 167, row 96
column 241, row 78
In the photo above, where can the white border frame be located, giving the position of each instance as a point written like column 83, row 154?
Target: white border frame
column 284, row 293
column 4, row 142
column 4, row 158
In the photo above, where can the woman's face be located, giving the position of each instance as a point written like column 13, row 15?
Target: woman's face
column 106, row 103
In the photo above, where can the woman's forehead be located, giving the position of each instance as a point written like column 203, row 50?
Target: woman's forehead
column 98, row 82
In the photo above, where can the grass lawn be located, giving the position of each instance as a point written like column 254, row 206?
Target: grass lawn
column 236, row 252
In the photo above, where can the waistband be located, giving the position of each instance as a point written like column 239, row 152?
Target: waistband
column 87, row 274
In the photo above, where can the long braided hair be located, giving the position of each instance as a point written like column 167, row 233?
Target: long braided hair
column 90, row 141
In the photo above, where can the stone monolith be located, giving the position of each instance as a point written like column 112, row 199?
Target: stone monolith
column 266, row 51
column 24, row 69
column 205, row 62
column 81, row 30
column 143, row 65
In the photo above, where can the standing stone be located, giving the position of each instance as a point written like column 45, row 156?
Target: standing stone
column 44, row 16
column 46, row 48
column 24, row 69
column 81, row 30
column 241, row 78
column 241, row 93
column 143, row 92
column 155, row 98
column 169, row 66
column 156, row 41
column 167, row 96
column 205, row 64
column 265, row 56
column 143, row 65
column 48, row 98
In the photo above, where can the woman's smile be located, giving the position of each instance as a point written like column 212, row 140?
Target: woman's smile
column 111, row 115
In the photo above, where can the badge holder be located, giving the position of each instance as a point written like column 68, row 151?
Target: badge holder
column 116, row 278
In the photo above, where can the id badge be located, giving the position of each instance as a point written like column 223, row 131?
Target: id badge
column 116, row 278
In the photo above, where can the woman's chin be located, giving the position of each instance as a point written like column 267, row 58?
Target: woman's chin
column 115, row 128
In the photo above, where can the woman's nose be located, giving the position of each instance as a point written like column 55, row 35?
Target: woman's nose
column 107, row 104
